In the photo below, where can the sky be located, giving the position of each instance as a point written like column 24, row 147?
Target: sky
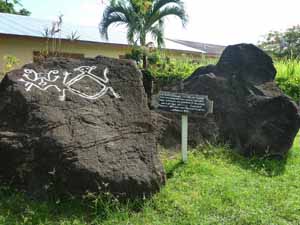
column 212, row 21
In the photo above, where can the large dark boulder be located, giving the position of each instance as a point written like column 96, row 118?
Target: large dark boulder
column 78, row 125
column 247, row 62
column 250, row 112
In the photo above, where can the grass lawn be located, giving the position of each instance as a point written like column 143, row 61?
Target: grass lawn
column 215, row 187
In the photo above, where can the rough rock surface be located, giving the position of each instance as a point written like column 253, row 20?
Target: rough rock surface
column 250, row 111
column 79, row 128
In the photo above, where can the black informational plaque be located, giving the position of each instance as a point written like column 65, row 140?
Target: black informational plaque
column 184, row 103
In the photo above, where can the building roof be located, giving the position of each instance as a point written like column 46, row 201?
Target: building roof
column 18, row 25
column 28, row 26
column 204, row 47
column 177, row 46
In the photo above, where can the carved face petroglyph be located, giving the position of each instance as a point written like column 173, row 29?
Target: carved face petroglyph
column 44, row 81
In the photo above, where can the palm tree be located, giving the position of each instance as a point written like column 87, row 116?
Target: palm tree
column 142, row 18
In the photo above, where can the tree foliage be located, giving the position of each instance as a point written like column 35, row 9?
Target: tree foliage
column 142, row 18
column 283, row 44
column 9, row 6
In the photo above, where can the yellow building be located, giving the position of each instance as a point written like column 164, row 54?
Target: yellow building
column 26, row 49
column 27, row 38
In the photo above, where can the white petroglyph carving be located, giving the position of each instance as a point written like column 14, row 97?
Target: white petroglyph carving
column 34, row 79
column 44, row 81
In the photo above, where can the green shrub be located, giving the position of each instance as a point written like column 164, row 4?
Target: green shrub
column 168, row 68
column 10, row 62
column 169, row 71
column 288, row 77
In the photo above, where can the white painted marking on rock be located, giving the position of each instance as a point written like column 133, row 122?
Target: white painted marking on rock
column 44, row 81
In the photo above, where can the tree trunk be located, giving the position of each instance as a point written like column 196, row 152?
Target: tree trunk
column 143, row 45
column 145, row 63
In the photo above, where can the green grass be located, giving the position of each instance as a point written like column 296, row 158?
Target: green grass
column 215, row 187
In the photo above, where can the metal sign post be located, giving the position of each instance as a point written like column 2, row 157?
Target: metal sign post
column 184, row 104
column 184, row 136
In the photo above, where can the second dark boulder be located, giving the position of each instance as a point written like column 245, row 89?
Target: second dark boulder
column 250, row 112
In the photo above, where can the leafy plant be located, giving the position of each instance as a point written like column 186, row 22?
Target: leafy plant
column 53, row 33
column 74, row 36
column 10, row 62
column 136, row 54
column 178, row 68
column 166, row 69
column 8, row 6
